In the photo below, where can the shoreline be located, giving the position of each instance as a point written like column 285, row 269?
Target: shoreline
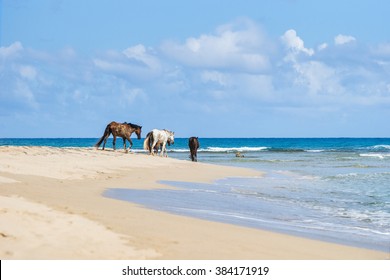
column 221, row 217
column 57, row 194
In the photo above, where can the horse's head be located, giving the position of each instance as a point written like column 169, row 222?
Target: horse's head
column 171, row 138
column 137, row 129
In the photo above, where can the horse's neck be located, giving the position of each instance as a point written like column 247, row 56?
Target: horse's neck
column 132, row 128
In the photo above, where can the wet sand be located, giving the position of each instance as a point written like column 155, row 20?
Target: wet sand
column 51, row 207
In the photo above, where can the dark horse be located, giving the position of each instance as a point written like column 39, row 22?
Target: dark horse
column 123, row 130
column 193, row 143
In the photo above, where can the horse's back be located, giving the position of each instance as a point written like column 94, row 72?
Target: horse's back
column 113, row 123
column 160, row 135
column 193, row 143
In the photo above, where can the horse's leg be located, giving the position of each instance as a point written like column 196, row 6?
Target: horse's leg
column 131, row 142
column 106, row 134
column 196, row 151
column 105, row 140
column 154, row 145
column 113, row 142
column 163, row 149
column 124, row 144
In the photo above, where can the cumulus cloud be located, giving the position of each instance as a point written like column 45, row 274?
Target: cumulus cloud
column 309, row 75
column 114, row 66
column 230, row 86
column 11, row 50
column 382, row 49
column 130, row 95
column 322, row 47
column 214, row 77
column 343, row 39
column 239, row 46
column 317, row 77
column 25, row 94
column 135, row 62
column 295, row 45
column 28, row 72
column 139, row 53
column 236, row 68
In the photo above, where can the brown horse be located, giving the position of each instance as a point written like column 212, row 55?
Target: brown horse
column 123, row 130
column 193, row 143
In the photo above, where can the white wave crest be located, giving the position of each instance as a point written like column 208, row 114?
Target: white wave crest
column 314, row 151
column 380, row 147
column 233, row 149
column 376, row 155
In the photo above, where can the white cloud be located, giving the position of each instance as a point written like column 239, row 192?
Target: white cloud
column 322, row 47
column 131, row 94
column 318, row 78
column 231, row 86
column 310, row 77
column 11, row 50
column 140, row 53
column 68, row 53
column 295, row 45
column 240, row 46
column 257, row 87
column 343, row 39
column 112, row 66
column 214, row 77
column 136, row 63
column 237, row 68
column 23, row 91
column 28, row 72
column 382, row 49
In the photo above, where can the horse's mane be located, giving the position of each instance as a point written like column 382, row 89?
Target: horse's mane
column 133, row 125
column 166, row 130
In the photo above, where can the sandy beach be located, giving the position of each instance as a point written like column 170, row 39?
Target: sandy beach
column 51, row 207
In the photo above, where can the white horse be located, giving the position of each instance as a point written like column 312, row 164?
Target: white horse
column 157, row 137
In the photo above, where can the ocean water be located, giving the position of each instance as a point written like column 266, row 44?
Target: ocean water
column 332, row 189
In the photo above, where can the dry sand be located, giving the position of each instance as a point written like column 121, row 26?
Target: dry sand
column 51, row 207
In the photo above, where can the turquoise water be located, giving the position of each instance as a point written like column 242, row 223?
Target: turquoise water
column 333, row 189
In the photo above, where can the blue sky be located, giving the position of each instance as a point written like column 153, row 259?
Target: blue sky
column 283, row 68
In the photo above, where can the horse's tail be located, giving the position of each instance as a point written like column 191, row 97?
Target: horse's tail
column 107, row 132
column 147, row 142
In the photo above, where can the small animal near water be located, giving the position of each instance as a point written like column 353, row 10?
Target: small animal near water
column 157, row 138
column 123, row 130
column 193, row 143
